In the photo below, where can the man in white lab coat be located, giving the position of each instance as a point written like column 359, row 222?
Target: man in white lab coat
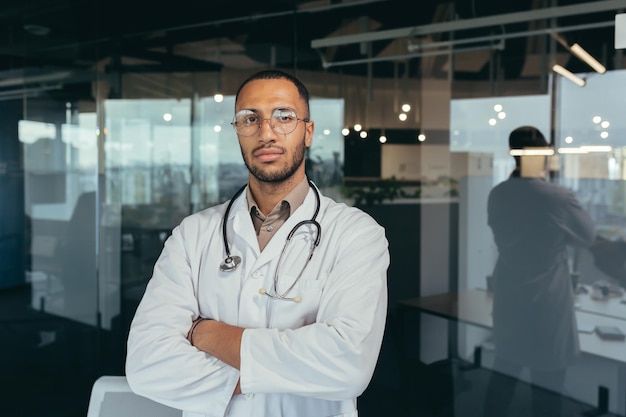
column 235, row 337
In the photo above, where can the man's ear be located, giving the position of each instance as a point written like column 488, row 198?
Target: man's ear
column 309, row 130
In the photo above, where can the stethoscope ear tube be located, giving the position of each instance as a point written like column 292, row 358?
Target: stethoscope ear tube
column 312, row 222
column 230, row 263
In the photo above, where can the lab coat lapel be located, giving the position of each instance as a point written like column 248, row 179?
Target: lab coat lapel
column 244, row 236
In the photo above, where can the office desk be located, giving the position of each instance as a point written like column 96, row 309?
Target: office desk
column 611, row 307
column 469, row 306
column 473, row 307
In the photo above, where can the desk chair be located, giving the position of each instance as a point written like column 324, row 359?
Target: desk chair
column 112, row 397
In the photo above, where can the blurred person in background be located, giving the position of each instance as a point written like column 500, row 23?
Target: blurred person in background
column 534, row 324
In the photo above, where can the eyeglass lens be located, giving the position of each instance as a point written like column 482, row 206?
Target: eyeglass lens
column 283, row 121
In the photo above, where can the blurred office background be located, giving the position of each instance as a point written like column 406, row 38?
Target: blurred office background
column 114, row 125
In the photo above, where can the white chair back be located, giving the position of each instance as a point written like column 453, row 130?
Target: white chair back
column 112, row 397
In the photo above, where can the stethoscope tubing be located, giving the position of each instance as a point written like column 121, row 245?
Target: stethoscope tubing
column 229, row 258
column 232, row 262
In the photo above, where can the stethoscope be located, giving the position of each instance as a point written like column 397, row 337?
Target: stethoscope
column 232, row 262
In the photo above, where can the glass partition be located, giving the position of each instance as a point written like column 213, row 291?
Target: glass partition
column 60, row 186
column 100, row 160
column 167, row 158
column 481, row 126
column 591, row 141
column 587, row 160
column 51, row 310
column 102, row 191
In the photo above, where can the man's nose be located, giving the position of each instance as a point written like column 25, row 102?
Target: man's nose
column 267, row 132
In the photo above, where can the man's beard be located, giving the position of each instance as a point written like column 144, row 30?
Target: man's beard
column 280, row 176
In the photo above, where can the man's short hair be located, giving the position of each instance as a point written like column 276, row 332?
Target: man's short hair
column 274, row 74
column 527, row 137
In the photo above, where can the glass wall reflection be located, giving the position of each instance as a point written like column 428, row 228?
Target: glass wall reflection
column 581, row 286
column 49, row 296
column 90, row 191
column 60, row 192
column 165, row 159
column 99, row 194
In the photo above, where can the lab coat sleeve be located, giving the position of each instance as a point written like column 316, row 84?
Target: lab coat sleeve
column 577, row 223
column 333, row 358
column 161, row 364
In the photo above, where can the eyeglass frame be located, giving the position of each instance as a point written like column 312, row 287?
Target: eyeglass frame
column 261, row 120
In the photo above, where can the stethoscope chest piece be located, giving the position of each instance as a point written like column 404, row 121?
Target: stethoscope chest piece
column 230, row 263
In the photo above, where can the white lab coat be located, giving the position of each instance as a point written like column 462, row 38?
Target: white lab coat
column 312, row 358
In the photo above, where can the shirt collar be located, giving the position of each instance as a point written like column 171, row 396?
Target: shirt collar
column 293, row 200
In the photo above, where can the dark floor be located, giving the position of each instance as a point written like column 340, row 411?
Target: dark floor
column 459, row 391
column 48, row 365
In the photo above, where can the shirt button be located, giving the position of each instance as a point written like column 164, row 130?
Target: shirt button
column 269, row 228
column 248, row 396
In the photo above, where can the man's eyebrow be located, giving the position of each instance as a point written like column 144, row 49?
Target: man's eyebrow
column 246, row 111
column 256, row 111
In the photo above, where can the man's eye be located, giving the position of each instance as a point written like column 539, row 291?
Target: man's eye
column 284, row 117
column 251, row 119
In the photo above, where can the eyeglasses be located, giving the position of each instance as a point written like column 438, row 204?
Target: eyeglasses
column 283, row 121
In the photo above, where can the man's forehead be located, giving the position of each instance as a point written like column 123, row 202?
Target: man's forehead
column 277, row 91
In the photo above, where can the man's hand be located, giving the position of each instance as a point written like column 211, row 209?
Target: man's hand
column 217, row 339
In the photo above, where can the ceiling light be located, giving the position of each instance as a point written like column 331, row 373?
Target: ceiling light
column 533, row 151
column 569, row 75
column 589, row 60
column 597, row 148
column 572, row 150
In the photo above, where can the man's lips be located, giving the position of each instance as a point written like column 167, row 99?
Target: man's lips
column 268, row 154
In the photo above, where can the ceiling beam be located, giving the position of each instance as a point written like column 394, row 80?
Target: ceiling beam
column 480, row 22
column 447, row 47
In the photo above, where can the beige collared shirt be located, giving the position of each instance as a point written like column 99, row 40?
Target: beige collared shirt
column 267, row 226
